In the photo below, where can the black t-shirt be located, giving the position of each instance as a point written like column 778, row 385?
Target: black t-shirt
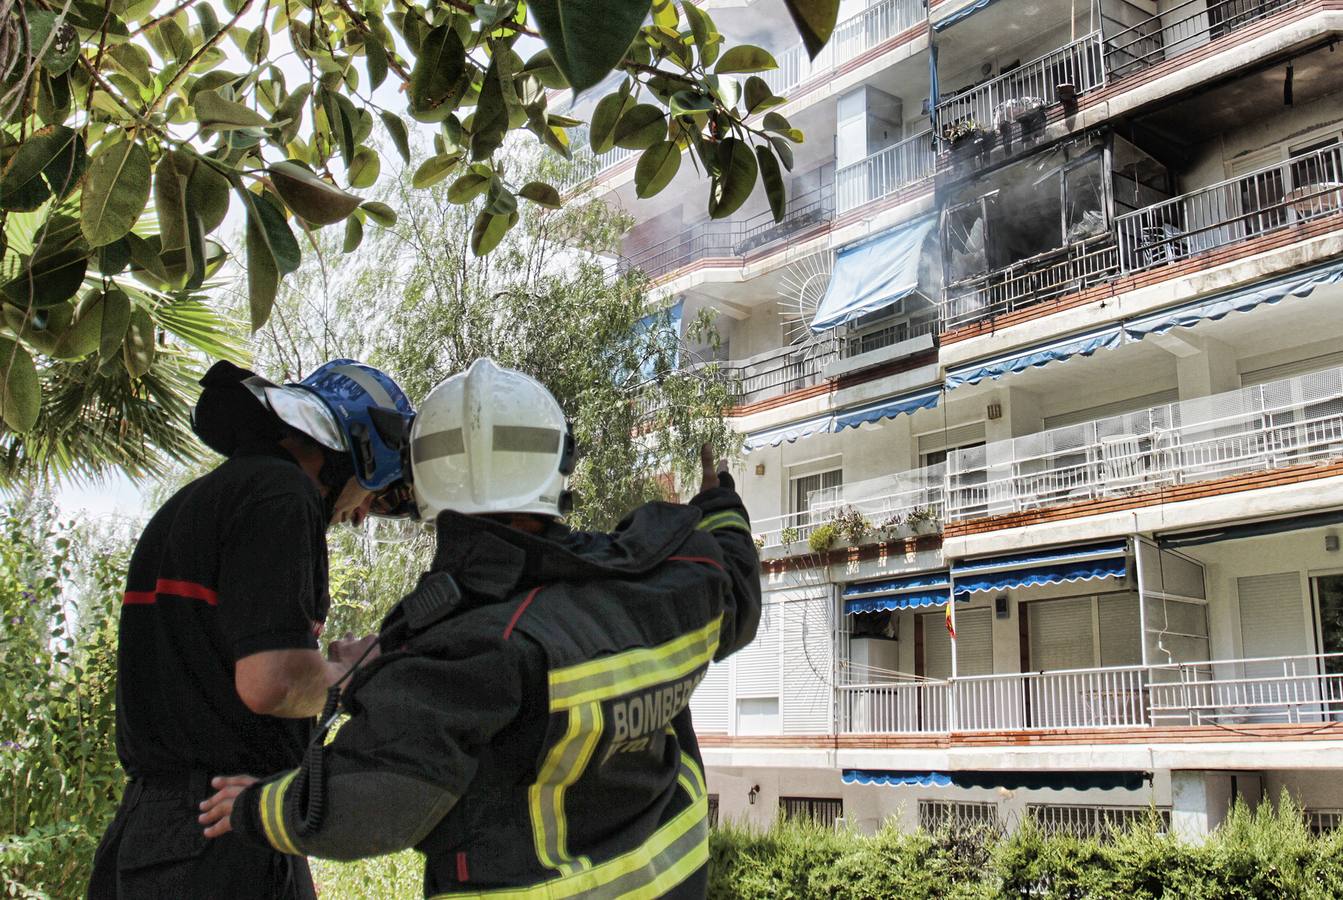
column 234, row 564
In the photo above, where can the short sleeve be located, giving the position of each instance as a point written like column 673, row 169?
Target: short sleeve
column 272, row 564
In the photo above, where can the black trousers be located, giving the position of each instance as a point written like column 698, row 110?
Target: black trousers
column 155, row 848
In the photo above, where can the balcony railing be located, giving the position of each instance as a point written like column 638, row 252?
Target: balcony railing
column 885, row 172
column 851, row 38
column 885, row 502
column 1297, row 689
column 1270, row 426
column 1305, row 188
column 1029, row 281
column 1184, row 27
column 1059, row 75
column 733, row 239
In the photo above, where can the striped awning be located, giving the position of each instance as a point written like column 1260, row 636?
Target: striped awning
column 1070, row 564
column 1040, row 355
column 1051, row 780
column 773, row 437
column 907, row 592
column 887, row 409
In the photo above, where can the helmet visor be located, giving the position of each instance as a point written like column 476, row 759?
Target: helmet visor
column 394, row 502
column 303, row 410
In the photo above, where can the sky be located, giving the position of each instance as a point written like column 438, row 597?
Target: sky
column 117, row 495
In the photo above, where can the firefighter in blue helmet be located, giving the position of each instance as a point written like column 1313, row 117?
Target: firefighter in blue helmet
column 527, row 724
column 217, row 662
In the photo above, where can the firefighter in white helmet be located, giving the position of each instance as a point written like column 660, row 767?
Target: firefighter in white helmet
column 527, row 724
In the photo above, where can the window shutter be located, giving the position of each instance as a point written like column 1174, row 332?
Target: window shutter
column 807, row 674
column 974, row 641
column 709, row 706
column 1121, row 644
column 1060, row 635
column 757, row 665
column 1271, row 618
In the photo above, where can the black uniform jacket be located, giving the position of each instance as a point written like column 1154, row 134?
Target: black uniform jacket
column 536, row 740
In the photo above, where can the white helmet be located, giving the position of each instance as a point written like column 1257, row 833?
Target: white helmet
column 491, row 440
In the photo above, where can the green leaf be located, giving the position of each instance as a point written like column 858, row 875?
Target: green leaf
column 656, row 168
column 170, row 202
column 664, row 14
column 115, row 192
column 541, row 194
column 772, row 179
column 113, row 258
column 701, row 27
column 375, row 56
column 49, row 279
column 744, row 58
column 643, row 125
column 138, row 350
column 440, row 76
column 396, row 129
column 758, row 95
column 784, row 149
column 500, row 201
column 815, row 21
column 21, row 391
column 347, row 119
column 363, row 172
column 686, row 103
column 468, row 187
column 288, row 116
column 779, row 125
column 587, row 38
column 263, row 277
column 434, row 169
column 542, row 65
column 51, row 160
column 489, row 229
column 354, row 234
column 381, row 213
column 116, row 319
column 312, row 199
column 80, row 337
column 274, row 230
column 605, row 117
column 217, row 114
column 490, row 123
column 207, row 193
column 734, row 180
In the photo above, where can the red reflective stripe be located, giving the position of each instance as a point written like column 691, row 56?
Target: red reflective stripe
column 696, row 559
column 462, row 874
column 517, row 613
column 189, row 589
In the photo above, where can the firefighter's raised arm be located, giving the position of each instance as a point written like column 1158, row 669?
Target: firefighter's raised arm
column 726, row 520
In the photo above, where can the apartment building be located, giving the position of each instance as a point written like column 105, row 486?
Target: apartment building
column 1047, row 352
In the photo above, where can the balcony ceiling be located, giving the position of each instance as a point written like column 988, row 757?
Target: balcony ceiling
column 1004, row 31
column 1250, row 98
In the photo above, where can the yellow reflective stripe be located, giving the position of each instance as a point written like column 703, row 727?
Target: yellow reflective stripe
column 700, row 788
column 272, row 814
column 564, row 764
column 633, row 670
column 668, row 857
column 725, row 519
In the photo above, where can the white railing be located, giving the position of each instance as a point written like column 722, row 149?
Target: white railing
column 784, row 370
column 1284, row 423
column 1059, row 75
column 885, row 172
column 1183, row 27
column 851, row 38
column 1295, row 689
column 886, row 503
column 1304, row 188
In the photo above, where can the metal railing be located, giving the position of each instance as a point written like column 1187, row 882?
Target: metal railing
column 1302, row 189
column 1092, row 821
column 733, row 239
column 1184, row 27
column 1294, row 689
column 1059, row 75
column 1284, row 423
column 858, row 343
column 851, row 38
column 1029, row 281
column 885, row 172
column 886, row 504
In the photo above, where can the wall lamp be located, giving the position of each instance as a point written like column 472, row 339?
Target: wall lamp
column 751, row 794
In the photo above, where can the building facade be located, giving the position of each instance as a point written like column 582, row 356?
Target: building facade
column 1047, row 352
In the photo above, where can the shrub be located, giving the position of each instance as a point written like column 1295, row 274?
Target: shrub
column 823, row 538
column 852, row 525
column 787, row 534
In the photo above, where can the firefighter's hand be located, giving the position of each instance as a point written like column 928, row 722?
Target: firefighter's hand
column 346, row 651
column 706, row 461
column 215, row 811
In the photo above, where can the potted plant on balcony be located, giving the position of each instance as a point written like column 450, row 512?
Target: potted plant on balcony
column 852, row 525
column 787, row 535
column 923, row 519
column 823, row 538
column 894, row 528
column 759, row 541
column 965, row 138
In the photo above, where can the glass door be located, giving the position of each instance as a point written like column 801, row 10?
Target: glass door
column 1329, row 620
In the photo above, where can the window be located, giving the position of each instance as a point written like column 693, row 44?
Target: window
column 758, row 715
column 824, row 810
column 1092, row 821
column 818, row 489
column 954, row 814
column 1322, row 821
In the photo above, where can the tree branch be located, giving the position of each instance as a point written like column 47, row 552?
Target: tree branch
column 196, row 57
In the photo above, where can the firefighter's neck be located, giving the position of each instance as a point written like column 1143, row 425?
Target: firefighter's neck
column 308, row 457
column 521, row 522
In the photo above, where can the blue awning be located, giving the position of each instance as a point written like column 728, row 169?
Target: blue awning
column 961, row 14
column 1042, row 354
column 1298, row 284
column 886, row 409
column 1047, row 567
column 1051, row 780
column 907, row 592
column 873, row 274
column 773, row 437
column 934, row 89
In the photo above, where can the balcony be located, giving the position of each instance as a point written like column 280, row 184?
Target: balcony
column 1294, row 689
column 886, row 503
column 1293, row 422
column 733, row 240
column 1184, row 27
column 1022, row 95
column 885, row 172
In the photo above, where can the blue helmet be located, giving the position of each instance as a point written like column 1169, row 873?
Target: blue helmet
column 373, row 416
